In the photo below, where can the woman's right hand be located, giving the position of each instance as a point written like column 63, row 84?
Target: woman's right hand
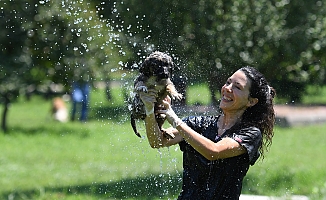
column 149, row 98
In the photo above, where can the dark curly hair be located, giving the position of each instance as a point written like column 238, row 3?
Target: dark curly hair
column 262, row 114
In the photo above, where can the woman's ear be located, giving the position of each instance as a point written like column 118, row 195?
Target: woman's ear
column 252, row 101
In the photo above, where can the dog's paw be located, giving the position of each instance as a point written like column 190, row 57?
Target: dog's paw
column 176, row 96
column 141, row 89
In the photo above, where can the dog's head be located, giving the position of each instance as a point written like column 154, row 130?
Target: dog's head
column 158, row 64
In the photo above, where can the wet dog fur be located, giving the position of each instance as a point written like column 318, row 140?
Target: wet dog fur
column 155, row 73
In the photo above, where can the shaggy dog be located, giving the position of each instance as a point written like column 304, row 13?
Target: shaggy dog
column 155, row 72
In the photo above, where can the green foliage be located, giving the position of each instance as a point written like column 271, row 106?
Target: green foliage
column 211, row 39
column 44, row 43
column 198, row 95
column 56, row 41
column 315, row 95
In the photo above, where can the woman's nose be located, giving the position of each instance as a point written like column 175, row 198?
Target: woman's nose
column 228, row 87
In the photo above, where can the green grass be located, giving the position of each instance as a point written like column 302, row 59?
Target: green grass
column 103, row 159
column 294, row 165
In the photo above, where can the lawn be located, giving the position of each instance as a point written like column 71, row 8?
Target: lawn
column 103, row 159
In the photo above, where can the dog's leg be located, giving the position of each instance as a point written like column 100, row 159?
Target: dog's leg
column 133, row 125
column 173, row 92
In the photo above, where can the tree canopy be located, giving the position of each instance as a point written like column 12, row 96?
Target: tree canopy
column 211, row 39
column 57, row 41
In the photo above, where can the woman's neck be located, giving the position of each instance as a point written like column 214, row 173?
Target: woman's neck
column 229, row 119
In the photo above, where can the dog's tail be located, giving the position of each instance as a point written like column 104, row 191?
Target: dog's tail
column 133, row 125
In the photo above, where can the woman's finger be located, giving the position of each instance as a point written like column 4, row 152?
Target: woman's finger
column 166, row 104
column 168, row 99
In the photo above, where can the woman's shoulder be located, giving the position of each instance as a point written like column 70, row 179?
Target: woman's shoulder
column 249, row 130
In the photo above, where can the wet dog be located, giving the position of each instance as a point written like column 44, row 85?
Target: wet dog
column 155, row 73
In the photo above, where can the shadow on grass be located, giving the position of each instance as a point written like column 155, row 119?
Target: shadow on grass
column 63, row 129
column 156, row 186
column 151, row 187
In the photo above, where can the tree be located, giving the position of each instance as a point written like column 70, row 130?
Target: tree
column 46, row 42
column 11, row 42
column 214, row 38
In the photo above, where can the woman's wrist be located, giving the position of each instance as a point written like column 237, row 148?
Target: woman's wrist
column 177, row 123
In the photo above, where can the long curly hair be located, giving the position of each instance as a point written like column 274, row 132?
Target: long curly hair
column 262, row 114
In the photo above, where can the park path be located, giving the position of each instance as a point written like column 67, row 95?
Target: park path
column 291, row 115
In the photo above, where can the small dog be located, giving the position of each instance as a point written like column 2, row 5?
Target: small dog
column 155, row 72
column 59, row 110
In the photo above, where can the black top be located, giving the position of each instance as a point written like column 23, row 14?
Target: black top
column 222, row 178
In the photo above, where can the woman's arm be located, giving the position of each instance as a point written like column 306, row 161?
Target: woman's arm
column 154, row 134
column 225, row 148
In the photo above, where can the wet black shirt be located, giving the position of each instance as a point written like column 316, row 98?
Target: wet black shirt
column 218, row 179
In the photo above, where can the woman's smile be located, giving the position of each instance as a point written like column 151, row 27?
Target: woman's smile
column 235, row 92
column 226, row 99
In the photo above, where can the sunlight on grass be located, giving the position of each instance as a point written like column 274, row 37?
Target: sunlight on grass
column 293, row 163
column 103, row 158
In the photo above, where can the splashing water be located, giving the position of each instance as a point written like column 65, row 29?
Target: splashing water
column 95, row 47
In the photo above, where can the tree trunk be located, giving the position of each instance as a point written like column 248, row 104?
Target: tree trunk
column 4, row 114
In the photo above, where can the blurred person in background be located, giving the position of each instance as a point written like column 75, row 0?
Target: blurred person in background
column 80, row 98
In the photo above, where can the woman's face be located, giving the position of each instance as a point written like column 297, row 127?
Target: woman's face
column 235, row 93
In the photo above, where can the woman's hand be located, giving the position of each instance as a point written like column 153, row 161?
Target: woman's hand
column 172, row 118
column 149, row 98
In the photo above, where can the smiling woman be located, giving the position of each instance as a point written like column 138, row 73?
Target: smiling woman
column 218, row 150
column 235, row 94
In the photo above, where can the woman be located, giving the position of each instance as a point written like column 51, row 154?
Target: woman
column 218, row 150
